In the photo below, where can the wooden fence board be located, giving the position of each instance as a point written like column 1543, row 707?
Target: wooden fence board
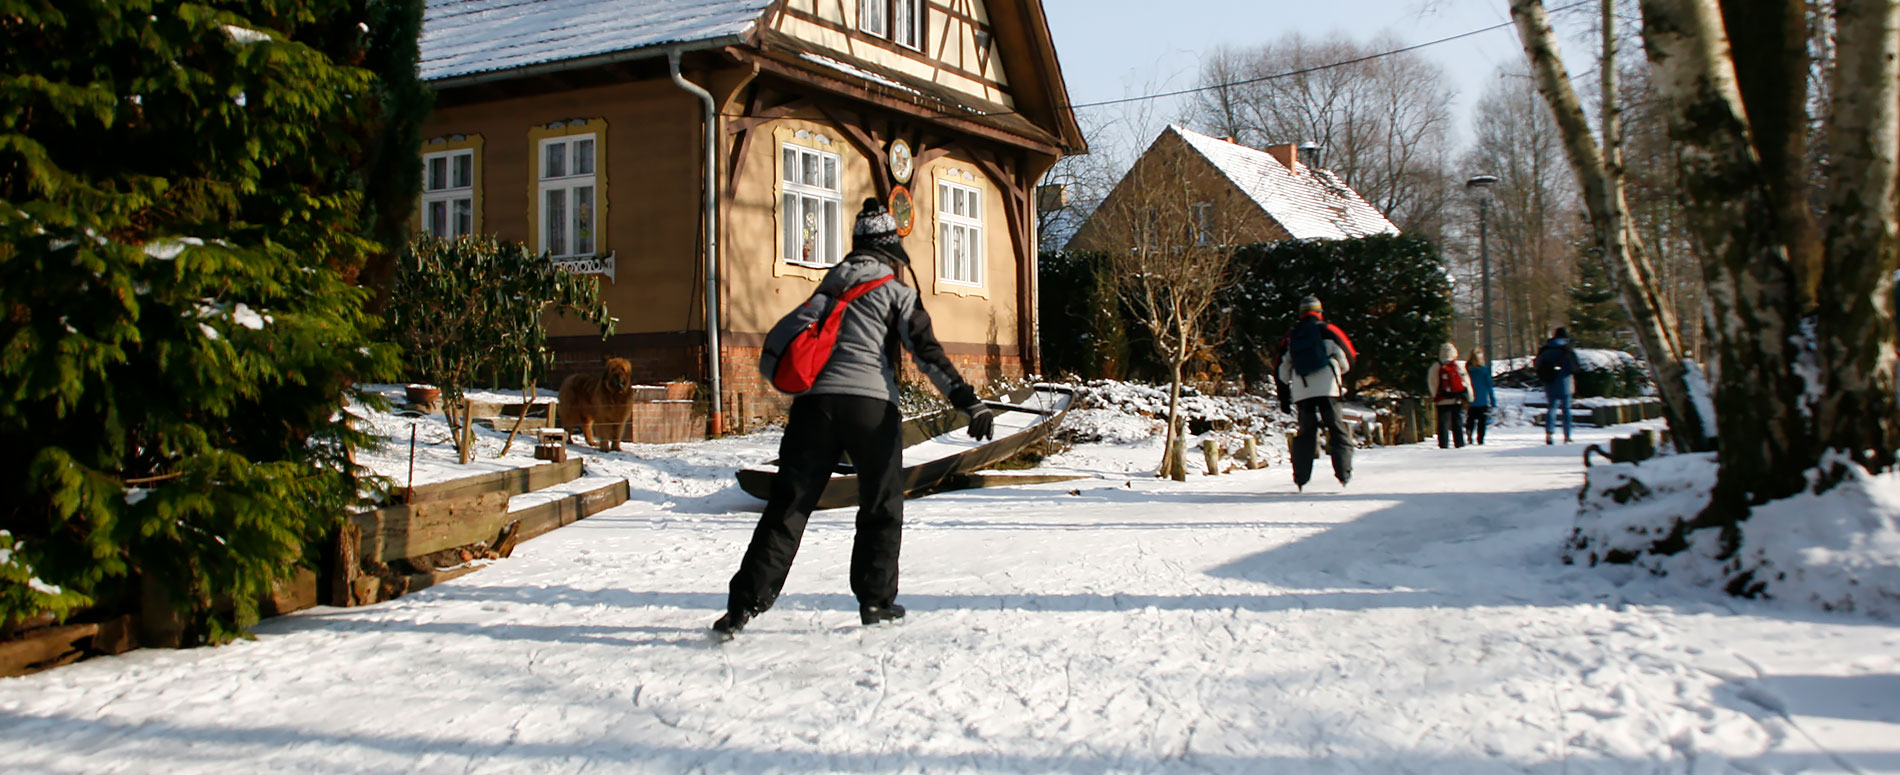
column 514, row 482
column 542, row 518
column 416, row 529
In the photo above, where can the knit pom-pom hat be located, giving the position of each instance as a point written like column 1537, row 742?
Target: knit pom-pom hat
column 877, row 230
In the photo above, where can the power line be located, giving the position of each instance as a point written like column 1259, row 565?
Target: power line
column 1316, row 68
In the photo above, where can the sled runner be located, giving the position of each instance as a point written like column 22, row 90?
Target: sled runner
column 937, row 451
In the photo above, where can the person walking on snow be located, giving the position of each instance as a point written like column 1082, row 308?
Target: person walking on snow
column 1483, row 395
column 852, row 407
column 1450, row 386
column 1314, row 359
column 1557, row 366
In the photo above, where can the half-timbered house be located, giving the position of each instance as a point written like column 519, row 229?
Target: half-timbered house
column 706, row 158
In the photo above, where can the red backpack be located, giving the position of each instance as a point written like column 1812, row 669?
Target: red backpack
column 813, row 333
column 1451, row 380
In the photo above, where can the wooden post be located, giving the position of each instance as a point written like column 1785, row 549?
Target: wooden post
column 1177, row 464
column 348, row 566
column 1251, row 450
column 160, row 625
column 1211, row 451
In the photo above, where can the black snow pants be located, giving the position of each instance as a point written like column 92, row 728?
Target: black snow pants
column 1313, row 411
column 820, row 429
column 1476, row 418
column 1451, row 425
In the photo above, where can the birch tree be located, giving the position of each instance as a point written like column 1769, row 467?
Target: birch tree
column 1634, row 277
column 1168, row 247
column 1855, row 326
column 1790, row 388
column 1755, row 329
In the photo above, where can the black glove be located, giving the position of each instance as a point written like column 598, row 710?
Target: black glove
column 982, row 423
column 964, row 397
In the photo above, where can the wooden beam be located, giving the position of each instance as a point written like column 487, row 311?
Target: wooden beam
column 905, row 107
column 757, row 115
column 866, row 144
column 1018, row 216
column 401, row 532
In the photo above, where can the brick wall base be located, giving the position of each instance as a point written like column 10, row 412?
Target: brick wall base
column 752, row 402
column 749, row 401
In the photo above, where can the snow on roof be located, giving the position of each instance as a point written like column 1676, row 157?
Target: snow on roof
column 1308, row 203
column 465, row 37
column 850, row 69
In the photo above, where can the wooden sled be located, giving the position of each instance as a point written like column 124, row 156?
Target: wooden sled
column 938, row 451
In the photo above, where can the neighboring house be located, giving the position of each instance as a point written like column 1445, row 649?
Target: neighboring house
column 1245, row 194
column 580, row 127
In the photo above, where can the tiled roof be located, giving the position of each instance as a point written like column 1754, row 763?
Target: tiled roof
column 465, row 37
column 1308, row 203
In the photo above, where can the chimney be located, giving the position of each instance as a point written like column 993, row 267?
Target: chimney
column 1286, row 153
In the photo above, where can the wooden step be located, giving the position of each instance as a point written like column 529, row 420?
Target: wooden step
column 545, row 510
column 536, row 514
column 506, row 424
column 514, row 481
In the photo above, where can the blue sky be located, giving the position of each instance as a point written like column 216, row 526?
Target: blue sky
column 1118, row 48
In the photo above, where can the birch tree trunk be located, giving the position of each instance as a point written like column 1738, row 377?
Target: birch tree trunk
column 1855, row 321
column 1630, row 268
column 1754, row 325
column 1773, row 81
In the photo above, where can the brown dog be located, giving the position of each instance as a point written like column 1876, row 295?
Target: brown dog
column 606, row 398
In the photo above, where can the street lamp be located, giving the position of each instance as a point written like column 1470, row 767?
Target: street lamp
column 1479, row 187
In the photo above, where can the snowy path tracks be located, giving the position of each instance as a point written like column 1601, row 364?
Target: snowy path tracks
column 1419, row 621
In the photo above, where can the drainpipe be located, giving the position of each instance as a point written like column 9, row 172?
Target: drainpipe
column 711, row 214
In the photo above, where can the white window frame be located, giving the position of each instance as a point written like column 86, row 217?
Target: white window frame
column 1203, row 215
column 448, row 195
column 571, row 185
column 811, row 241
column 874, row 17
column 909, row 35
column 959, row 226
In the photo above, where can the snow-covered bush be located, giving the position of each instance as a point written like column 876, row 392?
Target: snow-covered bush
column 1122, row 412
column 1838, row 551
column 1606, row 373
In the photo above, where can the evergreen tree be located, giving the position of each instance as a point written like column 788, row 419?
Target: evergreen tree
column 1597, row 317
column 181, row 207
column 1390, row 293
column 394, row 175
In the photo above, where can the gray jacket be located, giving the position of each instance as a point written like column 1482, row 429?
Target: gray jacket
column 891, row 315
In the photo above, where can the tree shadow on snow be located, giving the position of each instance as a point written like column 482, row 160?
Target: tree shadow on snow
column 172, row 745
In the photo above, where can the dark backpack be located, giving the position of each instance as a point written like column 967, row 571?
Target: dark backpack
column 1550, row 364
column 1307, row 347
column 800, row 344
column 1451, row 381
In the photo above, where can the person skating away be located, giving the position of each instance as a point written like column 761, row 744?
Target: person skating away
column 852, row 407
column 1315, row 358
column 1483, row 395
column 1450, row 386
column 1557, row 368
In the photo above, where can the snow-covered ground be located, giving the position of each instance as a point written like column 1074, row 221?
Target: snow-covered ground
column 1420, row 621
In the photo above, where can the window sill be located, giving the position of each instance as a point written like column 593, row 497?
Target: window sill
column 947, row 287
column 587, row 264
column 810, row 264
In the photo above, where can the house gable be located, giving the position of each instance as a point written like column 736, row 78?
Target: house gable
column 1306, row 203
column 1259, row 198
column 988, row 60
column 952, row 46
